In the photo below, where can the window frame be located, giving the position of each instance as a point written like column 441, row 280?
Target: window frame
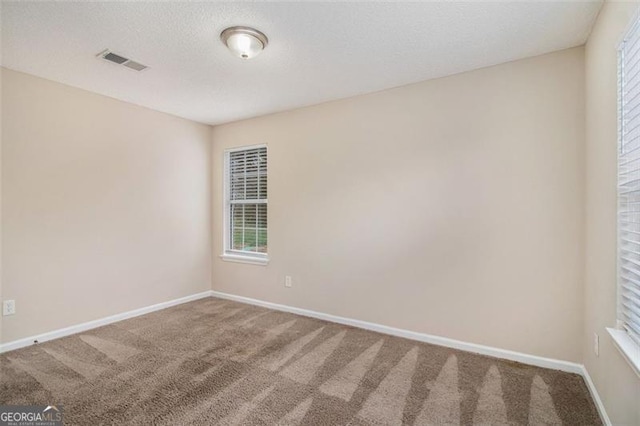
column 229, row 254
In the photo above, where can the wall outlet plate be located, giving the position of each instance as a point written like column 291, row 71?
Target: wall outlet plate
column 287, row 281
column 8, row 307
column 596, row 344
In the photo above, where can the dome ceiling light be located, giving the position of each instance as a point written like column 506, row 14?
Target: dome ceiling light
column 244, row 42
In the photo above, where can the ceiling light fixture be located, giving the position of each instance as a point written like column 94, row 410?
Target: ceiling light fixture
column 244, row 42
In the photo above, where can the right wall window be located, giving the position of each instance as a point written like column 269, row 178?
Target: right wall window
column 629, row 184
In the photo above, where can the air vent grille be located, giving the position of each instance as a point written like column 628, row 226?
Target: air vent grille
column 134, row 65
column 115, row 58
column 108, row 55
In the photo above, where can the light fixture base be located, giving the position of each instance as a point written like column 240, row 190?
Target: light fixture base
column 244, row 42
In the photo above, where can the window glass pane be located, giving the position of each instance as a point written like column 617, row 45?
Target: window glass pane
column 262, row 228
column 237, row 226
column 248, row 174
column 262, row 241
column 250, row 218
column 262, row 216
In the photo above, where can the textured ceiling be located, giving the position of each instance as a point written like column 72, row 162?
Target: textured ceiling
column 317, row 51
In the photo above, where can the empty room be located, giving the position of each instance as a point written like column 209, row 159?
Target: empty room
column 320, row 213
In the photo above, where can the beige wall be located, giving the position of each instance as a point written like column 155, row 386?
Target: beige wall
column 617, row 385
column 106, row 206
column 452, row 207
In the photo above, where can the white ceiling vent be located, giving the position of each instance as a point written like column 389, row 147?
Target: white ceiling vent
column 108, row 55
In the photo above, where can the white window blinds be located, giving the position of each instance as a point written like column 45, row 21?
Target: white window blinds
column 629, row 184
column 247, row 201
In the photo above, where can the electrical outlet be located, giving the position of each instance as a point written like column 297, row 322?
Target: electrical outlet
column 596, row 344
column 287, row 281
column 8, row 307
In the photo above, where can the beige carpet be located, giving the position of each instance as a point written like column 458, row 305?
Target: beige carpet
column 219, row 362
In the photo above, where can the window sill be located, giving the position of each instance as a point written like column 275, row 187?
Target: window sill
column 629, row 349
column 245, row 259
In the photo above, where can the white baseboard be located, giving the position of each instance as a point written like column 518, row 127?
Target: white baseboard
column 21, row 343
column 421, row 337
column 596, row 397
column 538, row 361
column 523, row 358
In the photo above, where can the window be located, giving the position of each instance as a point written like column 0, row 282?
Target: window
column 629, row 196
column 246, row 204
